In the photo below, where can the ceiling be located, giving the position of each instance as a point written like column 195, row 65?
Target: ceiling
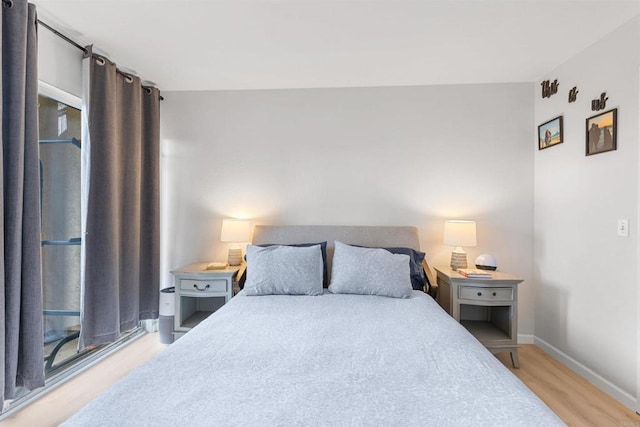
column 266, row 44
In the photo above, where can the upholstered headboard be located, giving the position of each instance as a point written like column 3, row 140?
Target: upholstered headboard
column 373, row 236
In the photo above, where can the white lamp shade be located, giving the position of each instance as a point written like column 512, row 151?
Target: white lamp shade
column 235, row 231
column 460, row 233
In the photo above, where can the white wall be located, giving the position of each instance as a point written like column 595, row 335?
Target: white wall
column 372, row 156
column 586, row 277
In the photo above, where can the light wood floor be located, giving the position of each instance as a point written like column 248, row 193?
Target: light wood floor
column 56, row 406
column 576, row 401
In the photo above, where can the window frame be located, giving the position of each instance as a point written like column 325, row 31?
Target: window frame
column 59, row 95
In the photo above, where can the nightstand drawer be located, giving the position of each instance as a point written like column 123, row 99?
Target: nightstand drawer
column 215, row 285
column 485, row 294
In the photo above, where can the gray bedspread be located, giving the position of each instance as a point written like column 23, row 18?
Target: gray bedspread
column 330, row 360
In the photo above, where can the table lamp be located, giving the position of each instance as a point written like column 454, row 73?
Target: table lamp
column 235, row 231
column 459, row 233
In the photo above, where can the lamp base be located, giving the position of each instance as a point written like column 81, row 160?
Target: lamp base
column 235, row 256
column 458, row 260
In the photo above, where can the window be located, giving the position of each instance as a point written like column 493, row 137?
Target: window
column 60, row 159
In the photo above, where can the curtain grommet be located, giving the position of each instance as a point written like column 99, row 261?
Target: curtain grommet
column 128, row 78
column 7, row 3
column 100, row 61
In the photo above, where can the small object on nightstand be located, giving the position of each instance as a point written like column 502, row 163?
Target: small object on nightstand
column 216, row 265
column 474, row 273
column 486, row 262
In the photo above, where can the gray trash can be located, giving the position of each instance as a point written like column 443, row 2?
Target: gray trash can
column 167, row 314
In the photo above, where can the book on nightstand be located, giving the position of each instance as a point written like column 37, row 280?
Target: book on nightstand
column 474, row 273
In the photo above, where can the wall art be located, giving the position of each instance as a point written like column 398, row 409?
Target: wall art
column 549, row 88
column 550, row 133
column 601, row 132
column 599, row 103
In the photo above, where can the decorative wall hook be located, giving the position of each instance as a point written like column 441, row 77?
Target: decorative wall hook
column 549, row 88
column 573, row 94
column 599, row 103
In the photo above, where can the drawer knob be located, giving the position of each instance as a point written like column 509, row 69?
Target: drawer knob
column 494, row 294
column 479, row 294
column 195, row 285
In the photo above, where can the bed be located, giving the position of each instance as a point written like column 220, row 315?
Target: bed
column 337, row 359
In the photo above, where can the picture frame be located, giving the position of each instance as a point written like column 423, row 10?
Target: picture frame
column 601, row 133
column 550, row 133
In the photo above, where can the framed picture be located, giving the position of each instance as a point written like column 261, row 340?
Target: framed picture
column 601, row 132
column 550, row 133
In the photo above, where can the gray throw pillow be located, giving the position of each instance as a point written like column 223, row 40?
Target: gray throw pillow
column 284, row 270
column 369, row 271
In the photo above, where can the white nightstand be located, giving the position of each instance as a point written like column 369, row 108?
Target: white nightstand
column 200, row 292
column 488, row 308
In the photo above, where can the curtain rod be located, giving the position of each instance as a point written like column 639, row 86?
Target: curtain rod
column 9, row 3
column 59, row 34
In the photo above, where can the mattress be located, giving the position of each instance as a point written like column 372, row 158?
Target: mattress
column 339, row 360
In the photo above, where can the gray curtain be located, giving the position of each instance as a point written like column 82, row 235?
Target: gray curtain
column 21, row 335
column 120, row 253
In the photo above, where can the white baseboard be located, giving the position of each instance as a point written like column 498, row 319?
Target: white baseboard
column 602, row 383
column 526, row 339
